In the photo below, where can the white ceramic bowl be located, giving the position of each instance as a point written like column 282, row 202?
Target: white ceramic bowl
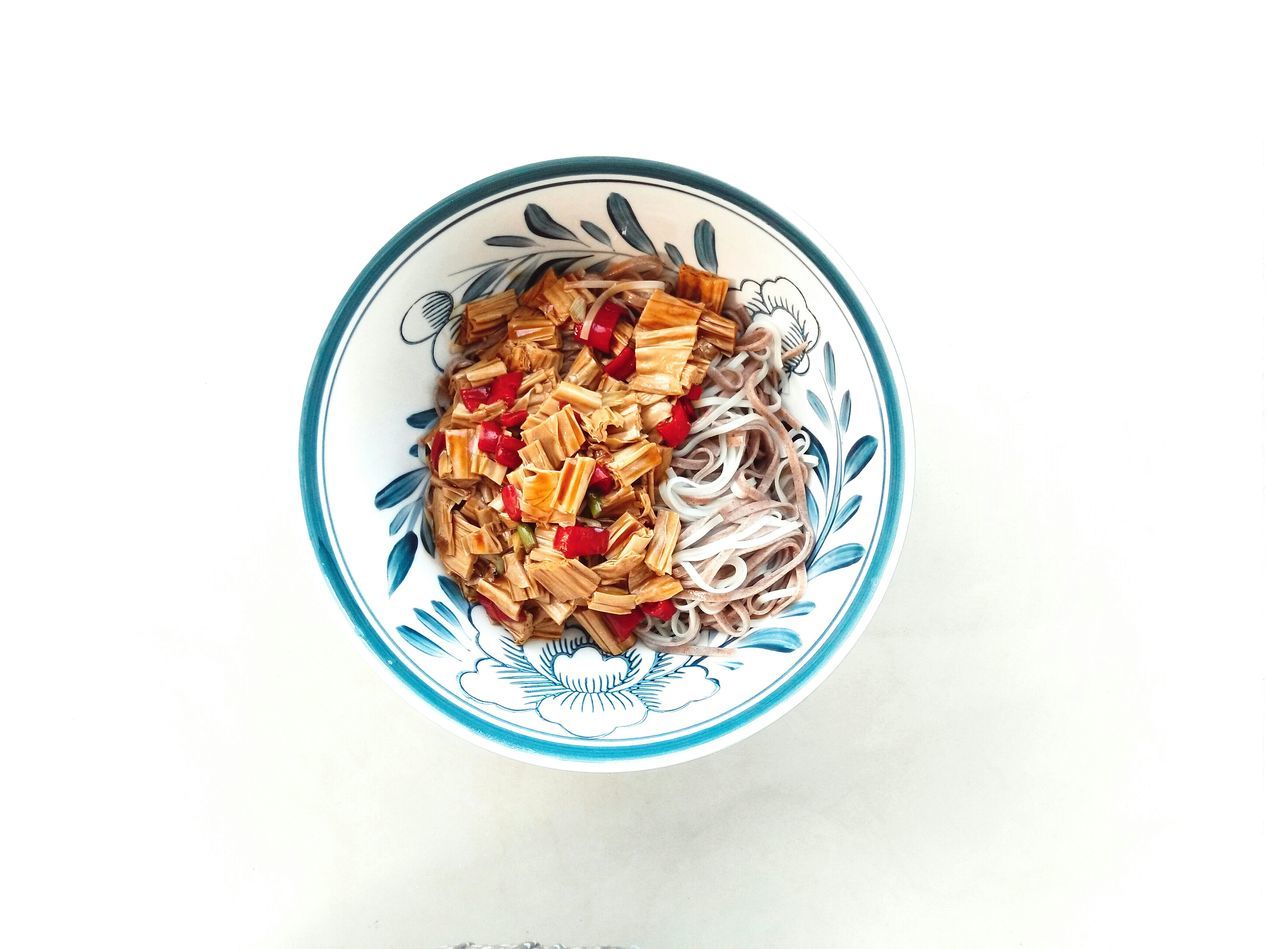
column 565, row 704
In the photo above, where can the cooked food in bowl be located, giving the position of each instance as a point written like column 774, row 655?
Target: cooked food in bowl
column 612, row 452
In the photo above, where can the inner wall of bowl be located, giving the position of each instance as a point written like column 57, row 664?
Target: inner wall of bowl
column 380, row 380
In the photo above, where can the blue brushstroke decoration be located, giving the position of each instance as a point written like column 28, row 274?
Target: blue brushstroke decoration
column 774, row 639
column 846, row 410
column 624, row 220
column 454, row 593
column 484, row 282
column 510, row 240
column 539, row 222
column 400, row 559
column 800, row 608
column 829, row 363
column 673, row 252
column 399, row 488
column 434, row 625
column 420, row 642
column 424, row 419
column 704, row 245
column 819, row 409
column 861, row 453
column 842, row 556
column 597, row 232
column 404, row 514
column 446, row 614
column 849, row 509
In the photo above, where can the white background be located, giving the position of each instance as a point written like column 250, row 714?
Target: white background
column 1052, row 734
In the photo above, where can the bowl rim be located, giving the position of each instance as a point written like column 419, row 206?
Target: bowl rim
column 846, row 628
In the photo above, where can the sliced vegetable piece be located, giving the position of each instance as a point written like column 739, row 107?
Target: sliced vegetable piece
column 511, row 501
column 581, row 541
column 505, row 388
column 662, row 611
column 474, row 396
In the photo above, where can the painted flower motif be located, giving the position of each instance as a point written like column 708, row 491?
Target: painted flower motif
column 569, row 682
column 427, row 319
column 781, row 301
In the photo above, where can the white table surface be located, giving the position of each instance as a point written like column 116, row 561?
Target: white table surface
column 1051, row 733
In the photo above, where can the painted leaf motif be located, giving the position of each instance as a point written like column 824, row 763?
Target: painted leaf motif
column 597, row 232
column 842, row 556
column 424, row 419
column 847, row 511
column 434, row 625
column 428, row 538
column 446, row 614
column 704, row 245
column 861, row 453
column 484, row 281
column 413, row 449
column 420, row 642
column 846, row 410
column 454, row 593
column 802, row 608
column 539, row 222
column 399, row 488
column 824, row 463
column 426, row 316
column 811, row 506
column 510, row 240
column 400, row 560
column 829, row 364
column 819, row 409
column 673, row 252
column 774, row 638
column 529, row 277
column 404, row 514
column 624, row 219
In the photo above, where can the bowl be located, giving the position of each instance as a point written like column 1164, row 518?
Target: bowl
column 369, row 399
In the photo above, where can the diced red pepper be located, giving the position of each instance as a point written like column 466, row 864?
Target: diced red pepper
column 663, row 610
column 601, row 479
column 437, row 447
column 505, row 454
column 581, row 541
column 675, row 429
column 496, row 614
column 600, row 334
column 514, row 419
column 622, row 365
column 505, row 388
column 511, row 502
column 474, row 397
column 487, row 441
column 624, row 626
column 694, row 393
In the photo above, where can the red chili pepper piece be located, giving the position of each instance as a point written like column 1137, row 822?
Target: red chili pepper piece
column 514, row 419
column 663, row 610
column 511, row 501
column 505, row 388
column 437, row 446
column 580, row 541
column 506, row 452
column 474, row 397
column 487, row 441
column 623, row 626
column 622, row 365
column 600, row 334
column 496, row 614
column 601, row 479
column 675, row 429
column 694, row 393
